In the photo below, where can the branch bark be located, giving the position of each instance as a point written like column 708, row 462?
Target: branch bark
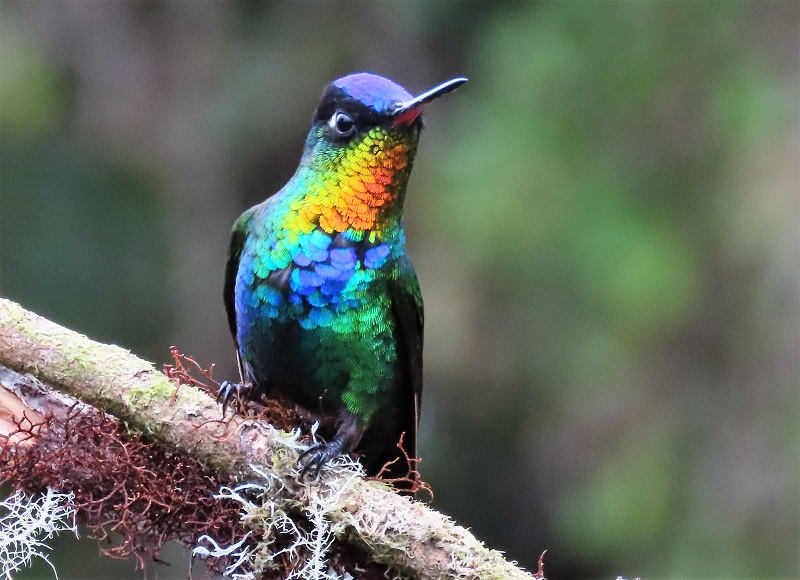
column 411, row 538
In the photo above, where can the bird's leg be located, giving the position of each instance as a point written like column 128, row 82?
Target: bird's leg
column 315, row 457
column 235, row 393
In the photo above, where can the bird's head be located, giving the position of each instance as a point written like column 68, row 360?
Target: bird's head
column 352, row 106
column 363, row 139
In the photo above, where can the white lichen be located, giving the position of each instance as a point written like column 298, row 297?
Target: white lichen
column 294, row 520
column 270, row 507
column 27, row 522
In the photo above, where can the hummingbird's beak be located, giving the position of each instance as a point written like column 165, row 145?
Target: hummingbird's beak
column 408, row 111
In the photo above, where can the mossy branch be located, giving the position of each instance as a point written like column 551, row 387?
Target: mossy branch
column 406, row 535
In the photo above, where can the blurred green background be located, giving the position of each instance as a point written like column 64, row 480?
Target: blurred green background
column 605, row 222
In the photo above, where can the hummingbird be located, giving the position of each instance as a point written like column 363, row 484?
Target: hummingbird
column 322, row 300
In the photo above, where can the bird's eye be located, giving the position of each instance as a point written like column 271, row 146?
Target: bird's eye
column 342, row 123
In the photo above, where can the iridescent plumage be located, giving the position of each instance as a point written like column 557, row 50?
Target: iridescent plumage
column 322, row 300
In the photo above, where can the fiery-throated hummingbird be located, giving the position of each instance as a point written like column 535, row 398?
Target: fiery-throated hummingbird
column 322, row 300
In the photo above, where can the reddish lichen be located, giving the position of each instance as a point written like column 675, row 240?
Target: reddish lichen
column 186, row 371
column 123, row 483
column 411, row 483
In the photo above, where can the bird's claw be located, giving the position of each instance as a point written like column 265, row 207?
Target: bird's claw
column 233, row 394
column 317, row 456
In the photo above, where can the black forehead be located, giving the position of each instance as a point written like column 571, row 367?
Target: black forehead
column 335, row 99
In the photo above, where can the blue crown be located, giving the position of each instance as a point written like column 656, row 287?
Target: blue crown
column 374, row 91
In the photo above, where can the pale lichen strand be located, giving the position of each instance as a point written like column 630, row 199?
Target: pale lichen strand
column 399, row 532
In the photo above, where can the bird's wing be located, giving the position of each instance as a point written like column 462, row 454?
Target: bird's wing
column 408, row 312
column 238, row 235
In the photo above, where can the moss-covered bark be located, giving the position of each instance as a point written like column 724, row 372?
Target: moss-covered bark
column 404, row 534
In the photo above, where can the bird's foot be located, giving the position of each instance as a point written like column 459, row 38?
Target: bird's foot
column 315, row 457
column 233, row 394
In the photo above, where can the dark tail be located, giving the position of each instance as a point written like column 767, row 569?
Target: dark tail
column 388, row 450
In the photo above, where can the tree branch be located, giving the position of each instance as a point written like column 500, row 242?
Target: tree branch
column 394, row 530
